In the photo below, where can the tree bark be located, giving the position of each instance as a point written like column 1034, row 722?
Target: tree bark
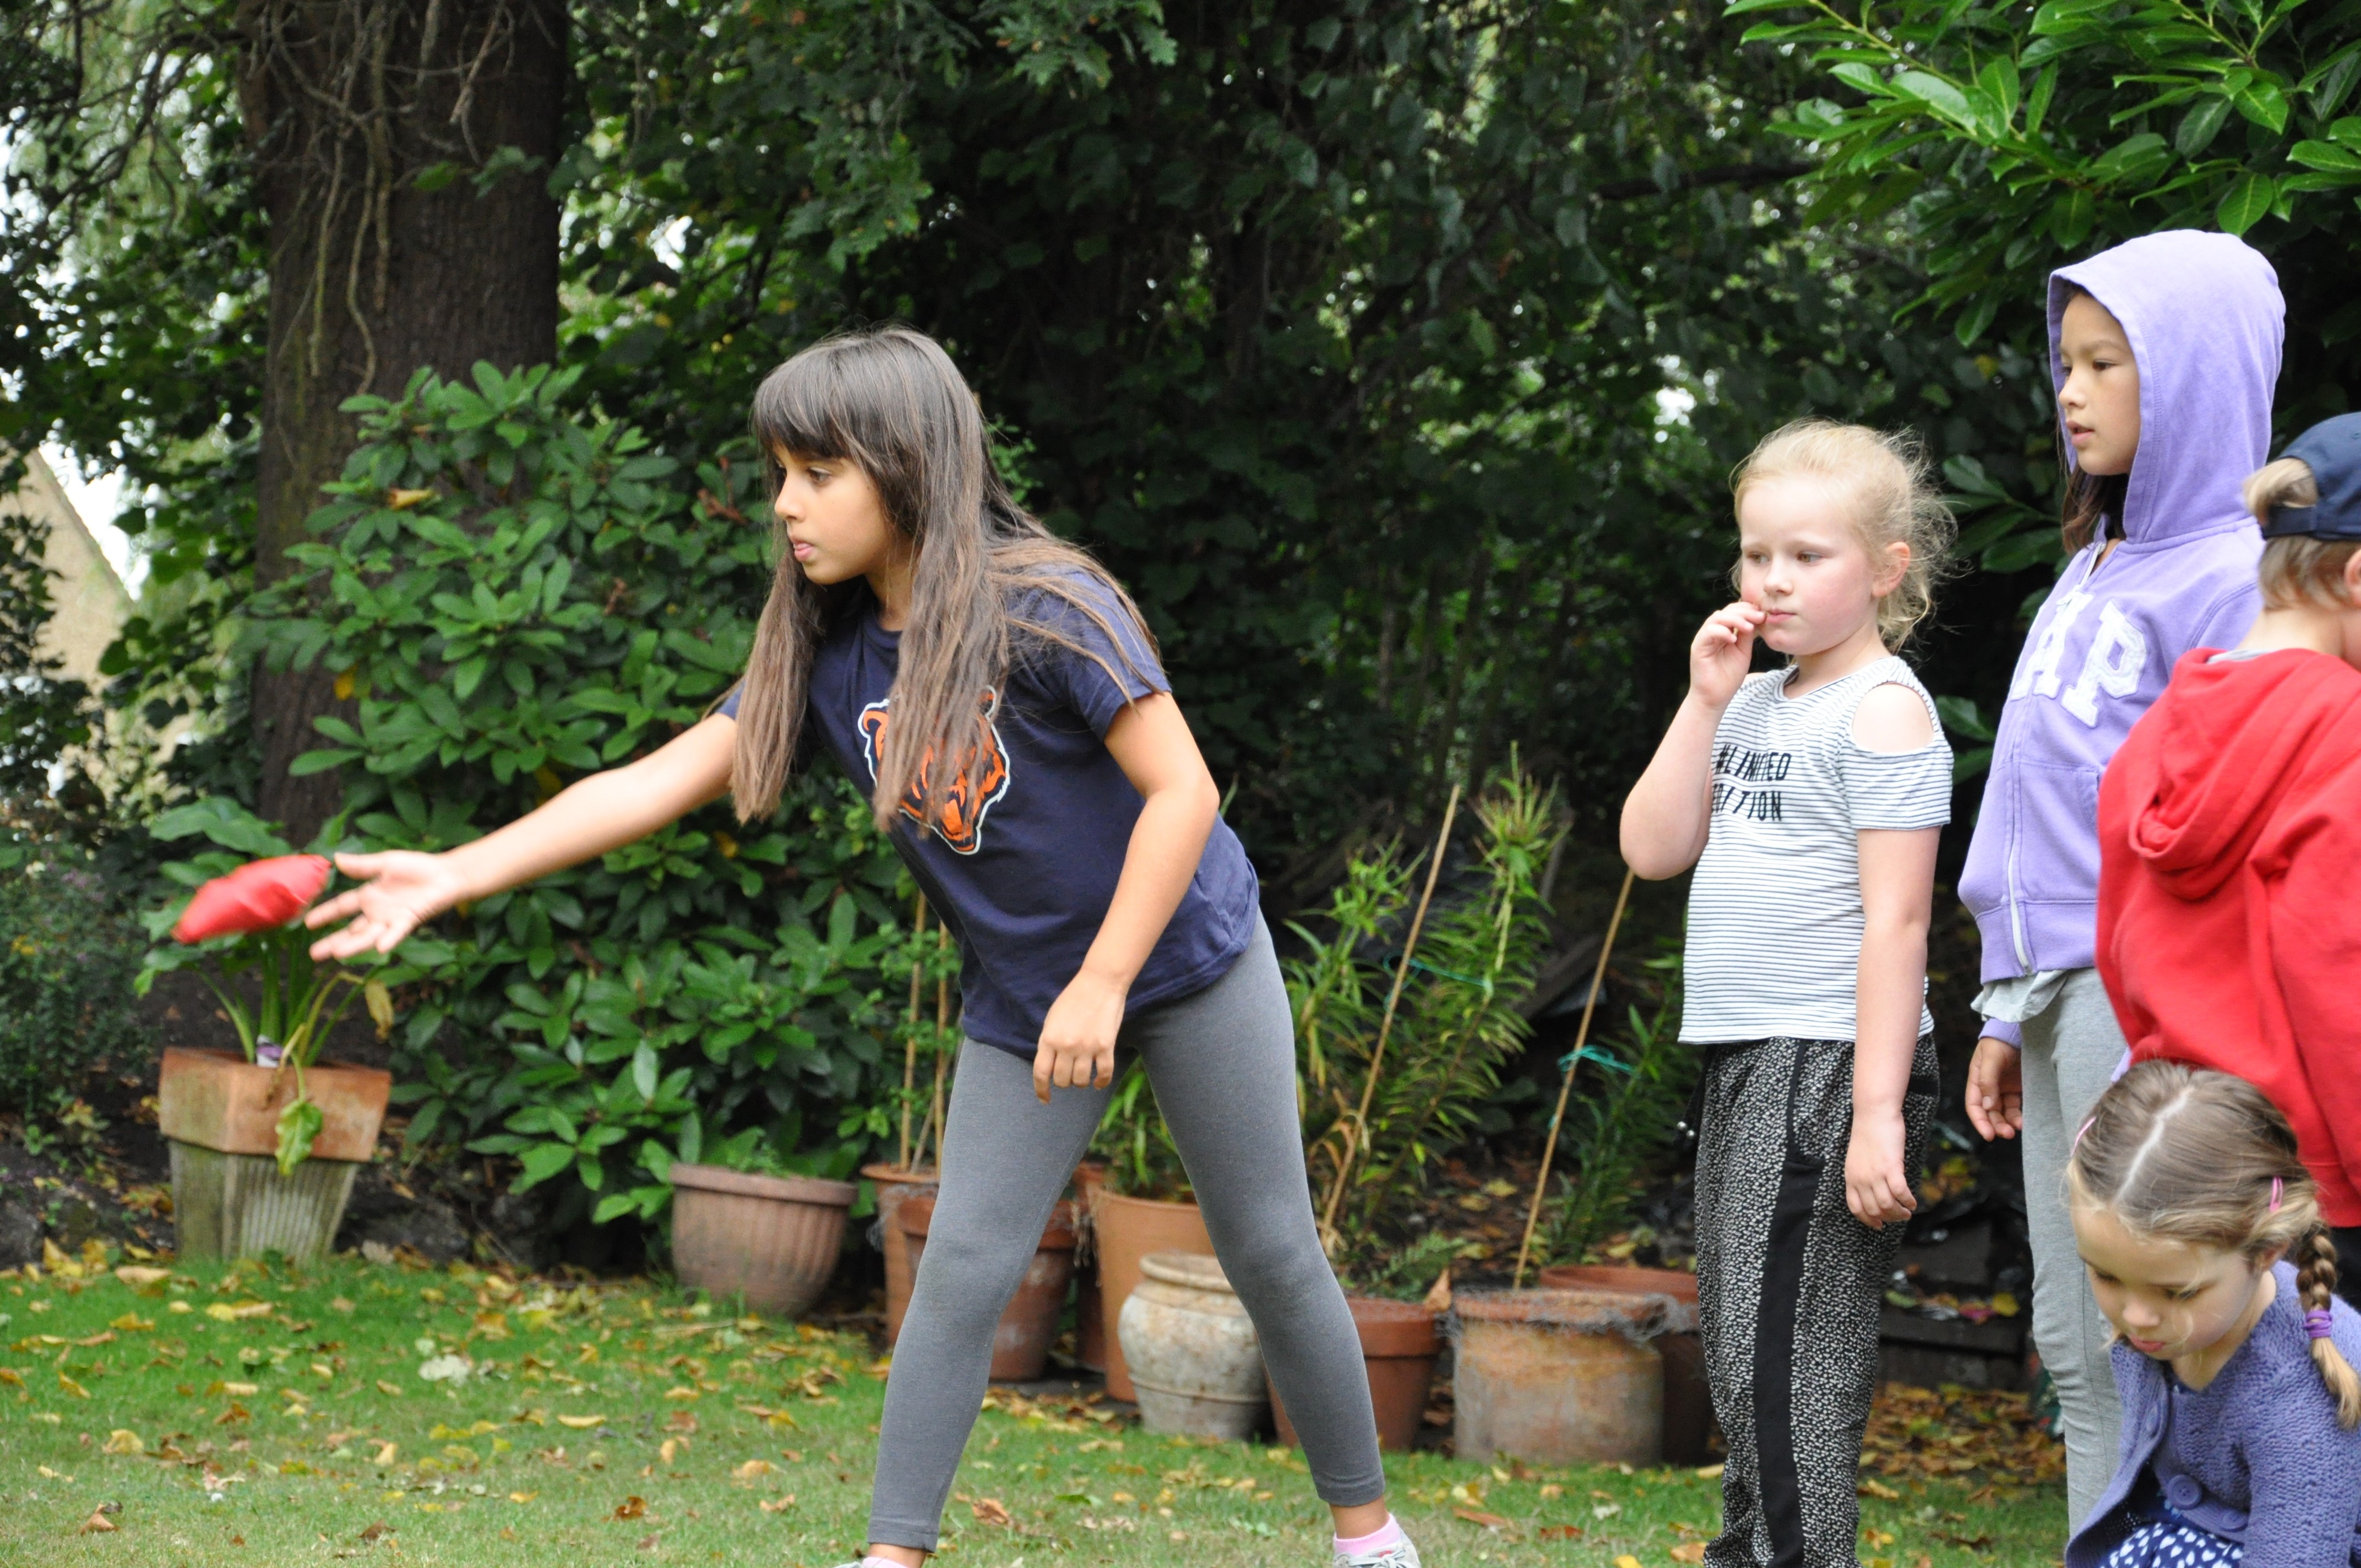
column 375, row 271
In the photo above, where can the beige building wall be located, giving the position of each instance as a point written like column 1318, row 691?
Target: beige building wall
column 89, row 601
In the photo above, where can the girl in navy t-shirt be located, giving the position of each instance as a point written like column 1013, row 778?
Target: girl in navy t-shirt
column 997, row 694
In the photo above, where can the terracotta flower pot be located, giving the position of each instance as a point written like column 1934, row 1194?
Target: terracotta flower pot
column 1020, row 1345
column 1562, row 1377
column 1689, row 1397
column 1126, row 1229
column 773, row 1239
column 221, row 1112
column 1399, row 1343
column 1194, row 1358
column 1089, row 1316
column 894, row 1185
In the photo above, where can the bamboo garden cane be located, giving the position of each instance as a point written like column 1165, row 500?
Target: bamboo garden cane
column 1572, row 1066
column 910, row 1036
column 1356, row 1134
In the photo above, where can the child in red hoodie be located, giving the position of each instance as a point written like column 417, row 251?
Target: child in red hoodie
column 2230, row 837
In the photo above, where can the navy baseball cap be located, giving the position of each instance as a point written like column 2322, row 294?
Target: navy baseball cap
column 2332, row 450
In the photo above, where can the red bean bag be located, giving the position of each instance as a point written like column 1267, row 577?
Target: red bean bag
column 253, row 898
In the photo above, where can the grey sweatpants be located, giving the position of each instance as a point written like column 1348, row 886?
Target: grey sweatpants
column 1222, row 1062
column 2071, row 1048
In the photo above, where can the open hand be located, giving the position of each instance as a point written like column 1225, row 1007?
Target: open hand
column 1877, row 1187
column 1077, row 1049
column 400, row 890
column 1721, row 651
column 1996, row 1089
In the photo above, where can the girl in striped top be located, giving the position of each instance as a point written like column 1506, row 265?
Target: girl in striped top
column 1809, row 799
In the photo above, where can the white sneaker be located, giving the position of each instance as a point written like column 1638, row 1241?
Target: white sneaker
column 1403, row 1553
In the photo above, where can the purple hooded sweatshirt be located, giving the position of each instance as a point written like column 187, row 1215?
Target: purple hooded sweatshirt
column 2205, row 317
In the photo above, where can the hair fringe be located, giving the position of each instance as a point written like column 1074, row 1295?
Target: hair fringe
column 889, row 401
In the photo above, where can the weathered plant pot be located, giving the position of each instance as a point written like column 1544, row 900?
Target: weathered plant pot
column 1195, row 1362
column 1122, row 1231
column 1562, row 1377
column 773, row 1240
column 1020, row 1345
column 1090, row 1315
column 220, row 1113
column 1689, row 1397
column 1399, row 1343
column 894, row 1185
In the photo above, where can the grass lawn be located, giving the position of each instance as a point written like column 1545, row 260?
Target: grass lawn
column 252, row 1416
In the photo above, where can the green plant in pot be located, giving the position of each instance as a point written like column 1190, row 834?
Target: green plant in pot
column 264, row 1144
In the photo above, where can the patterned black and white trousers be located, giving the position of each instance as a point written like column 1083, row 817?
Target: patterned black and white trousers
column 1789, row 1284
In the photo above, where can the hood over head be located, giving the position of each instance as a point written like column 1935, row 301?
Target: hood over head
column 2206, row 321
column 2236, row 734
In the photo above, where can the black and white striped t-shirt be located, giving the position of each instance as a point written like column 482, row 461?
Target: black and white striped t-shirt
column 1774, row 906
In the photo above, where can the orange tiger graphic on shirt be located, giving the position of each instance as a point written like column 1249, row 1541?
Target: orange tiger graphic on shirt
column 973, row 794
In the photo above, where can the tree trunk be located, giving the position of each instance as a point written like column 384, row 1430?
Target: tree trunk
column 403, row 151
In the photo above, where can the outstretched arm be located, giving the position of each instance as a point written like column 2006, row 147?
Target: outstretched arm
column 1150, row 742
column 402, row 889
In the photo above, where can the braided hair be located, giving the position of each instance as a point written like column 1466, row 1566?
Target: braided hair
column 2182, row 1154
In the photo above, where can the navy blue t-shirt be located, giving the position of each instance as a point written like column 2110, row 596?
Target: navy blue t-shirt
column 1036, row 844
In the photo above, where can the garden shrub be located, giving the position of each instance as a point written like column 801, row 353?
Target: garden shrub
column 67, row 957
column 511, row 594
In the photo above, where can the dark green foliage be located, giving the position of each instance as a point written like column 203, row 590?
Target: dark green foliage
column 515, row 596
column 67, row 957
column 1632, row 1092
column 2010, row 140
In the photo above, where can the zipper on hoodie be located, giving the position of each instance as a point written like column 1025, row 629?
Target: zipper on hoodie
column 2015, row 819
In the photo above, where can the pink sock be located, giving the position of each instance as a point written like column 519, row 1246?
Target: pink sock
column 1389, row 1535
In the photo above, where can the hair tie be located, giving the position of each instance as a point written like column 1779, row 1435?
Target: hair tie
column 2319, row 1324
column 2279, row 1191
column 2079, row 1132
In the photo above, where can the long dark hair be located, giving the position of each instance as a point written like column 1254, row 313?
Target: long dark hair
column 889, row 401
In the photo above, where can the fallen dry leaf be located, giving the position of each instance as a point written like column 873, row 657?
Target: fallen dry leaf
column 385, row 1453
column 123, row 1440
column 140, row 1278
column 752, row 1468
column 1689, row 1551
column 681, row 1422
column 581, row 1423
column 97, row 1524
column 1877, row 1489
column 377, row 1531
column 991, row 1511
column 1474, row 1516
column 780, row 1506
column 1559, row 1532
column 632, row 1508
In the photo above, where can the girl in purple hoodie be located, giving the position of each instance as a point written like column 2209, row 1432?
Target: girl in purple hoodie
column 2164, row 350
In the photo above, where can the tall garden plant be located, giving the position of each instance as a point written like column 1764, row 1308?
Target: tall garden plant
column 1456, row 1022
column 511, row 595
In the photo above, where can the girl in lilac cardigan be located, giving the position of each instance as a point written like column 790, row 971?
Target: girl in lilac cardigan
column 2202, row 1238
column 2166, row 351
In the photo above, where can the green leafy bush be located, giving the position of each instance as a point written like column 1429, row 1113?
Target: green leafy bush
column 511, row 594
column 67, row 959
column 1634, row 1089
column 1454, row 1026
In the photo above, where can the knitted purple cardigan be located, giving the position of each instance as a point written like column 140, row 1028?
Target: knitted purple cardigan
column 2257, row 1455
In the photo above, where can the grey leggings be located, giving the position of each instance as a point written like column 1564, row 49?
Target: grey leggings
column 1221, row 1061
